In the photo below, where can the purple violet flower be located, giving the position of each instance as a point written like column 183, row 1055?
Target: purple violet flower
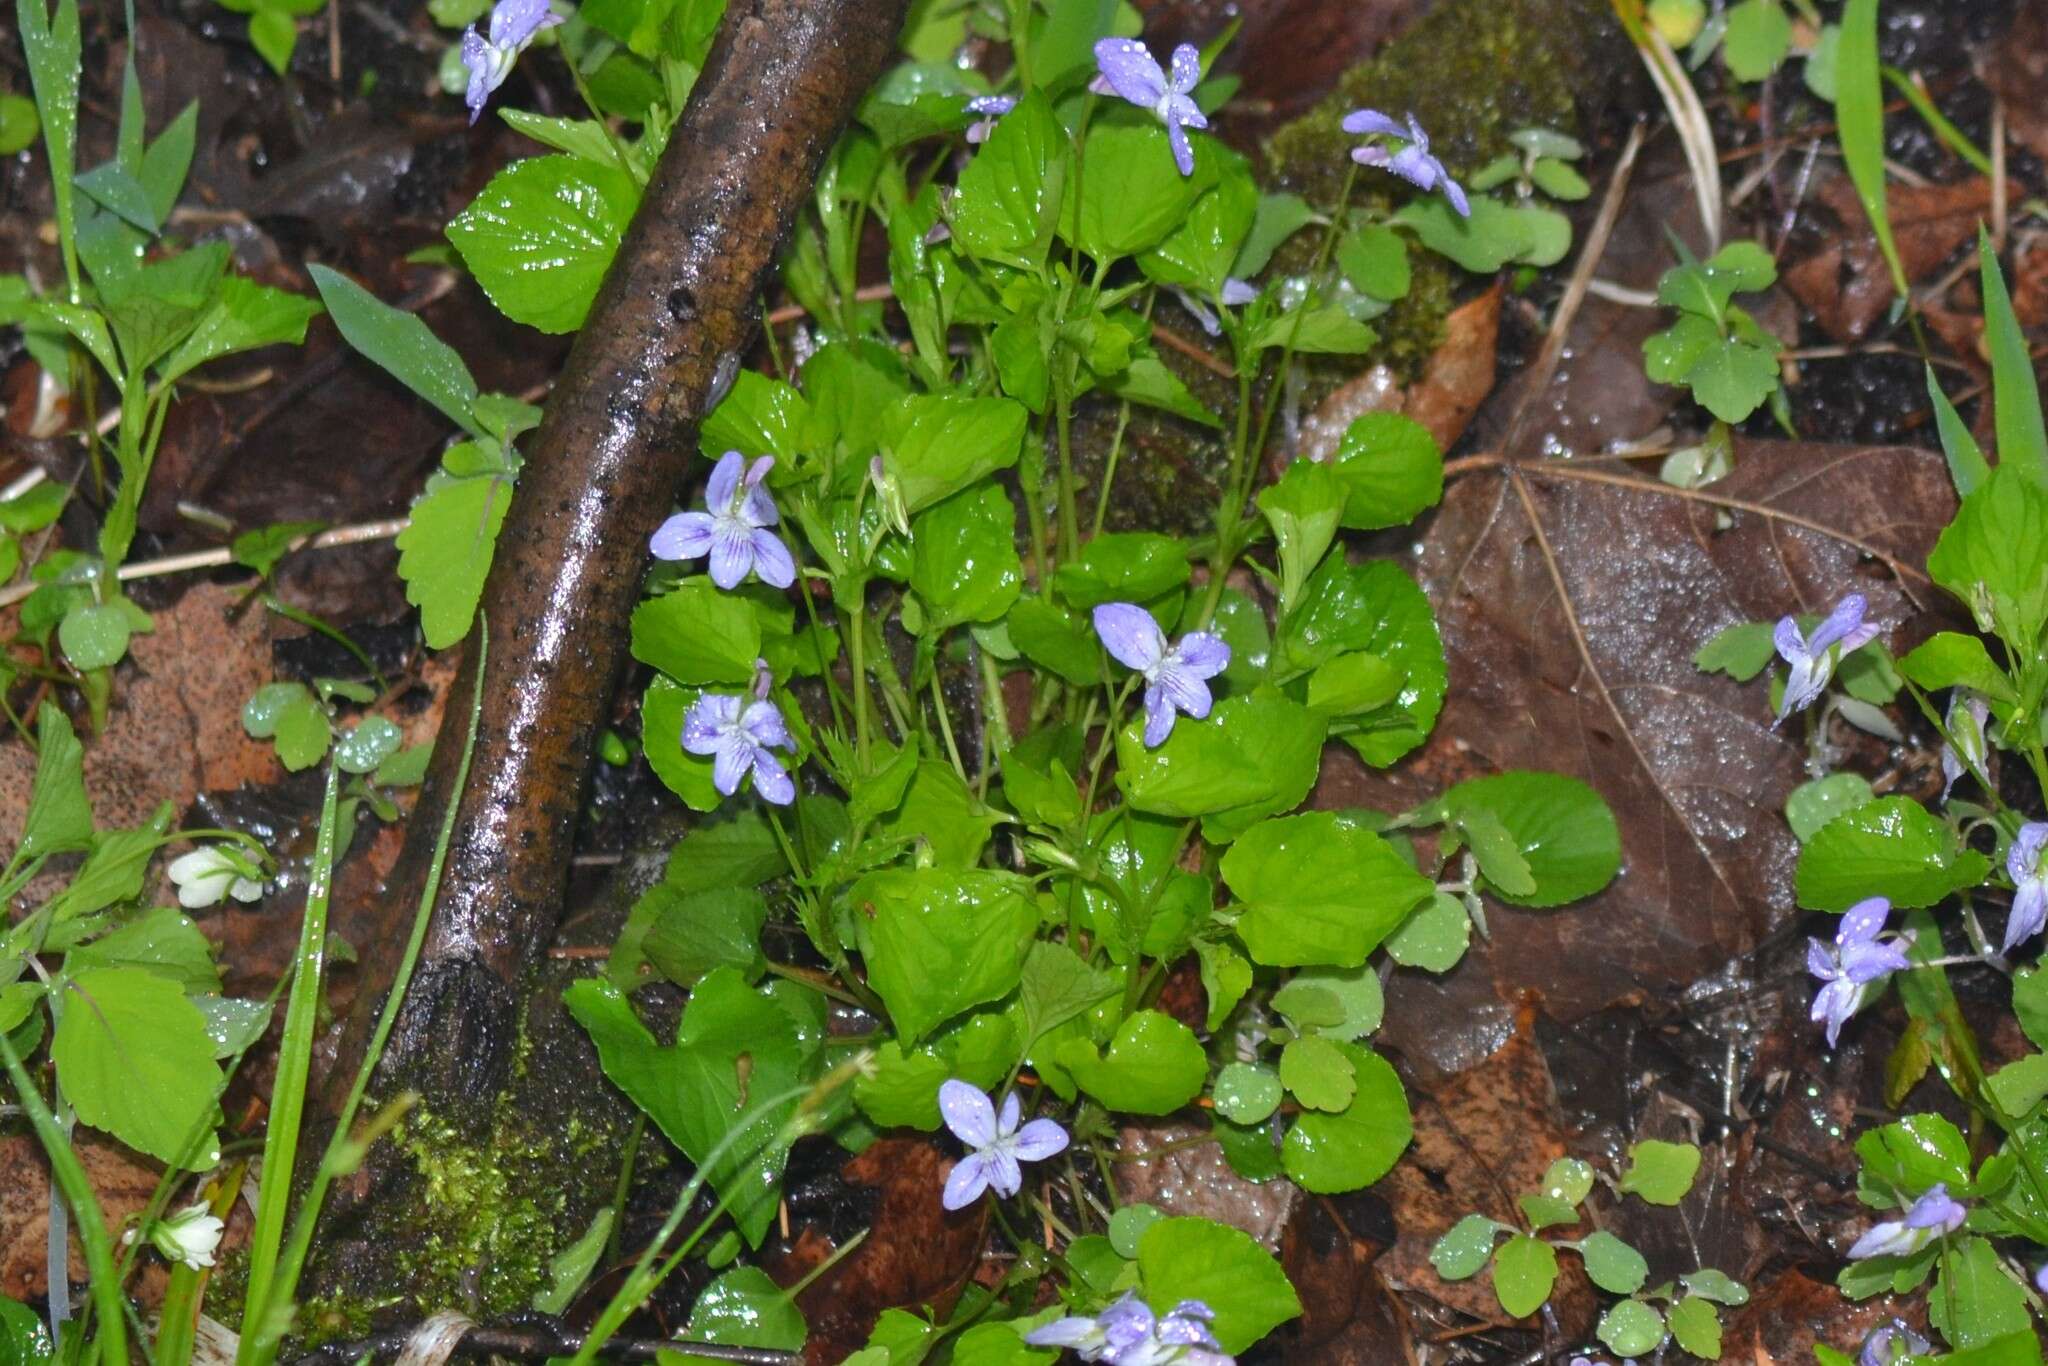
column 997, row 1145
column 2023, row 864
column 991, row 108
column 489, row 60
column 1968, row 714
column 739, row 735
column 1855, row 960
column 1412, row 162
column 1890, row 1343
column 1175, row 679
column 1932, row 1216
column 1812, row 658
column 1129, row 71
column 1127, row 1333
column 733, row 529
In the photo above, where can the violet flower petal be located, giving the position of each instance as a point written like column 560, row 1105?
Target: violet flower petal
column 1187, row 68
column 967, row 1181
column 1863, row 922
column 1040, row 1139
column 968, row 1112
column 1371, row 122
column 1130, row 635
column 1131, row 71
column 685, row 536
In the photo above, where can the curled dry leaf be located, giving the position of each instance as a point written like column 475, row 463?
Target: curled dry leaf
column 1456, row 381
column 1572, row 597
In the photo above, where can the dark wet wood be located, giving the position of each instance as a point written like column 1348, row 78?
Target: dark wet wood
column 664, row 337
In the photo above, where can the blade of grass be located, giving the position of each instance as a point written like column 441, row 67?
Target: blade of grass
column 1859, row 115
column 1966, row 465
column 52, row 48
column 260, row 1339
column 2015, row 394
column 294, row 1063
column 105, row 1288
column 1947, row 133
column 1688, row 115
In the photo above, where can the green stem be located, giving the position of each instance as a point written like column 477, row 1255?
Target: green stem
column 105, row 1287
column 1116, row 450
column 946, row 727
column 857, row 648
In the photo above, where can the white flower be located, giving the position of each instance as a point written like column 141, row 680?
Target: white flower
column 211, row 872
column 189, row 1236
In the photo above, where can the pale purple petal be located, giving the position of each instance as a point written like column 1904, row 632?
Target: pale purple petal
column 1183, row 690
column 1185, row 111
column 1371, row 155
column 514, row 22
column 1863, row 922
column 1888, row 1239
column 757, row 508
column 1067, row 1332
column 1846, row 617
column 997, row 105
column 1936, row 1210
column 1183, row 150
column 1861, row 636
column 1159, row 717
column 1039, row 1139
column 1130, row 70
column 685, row 536
column 1821, row 962
column 732, row 553
column 2023, row 860
column 709, row 717
column 476, row 59
column 1236, row 293
column 1202, row 654
column 763, row 723
column 1790, row 644
column 1127, row 1322
column 772, row 559
column 1005, row 1177
column 1893, row 1342
column 1369, row 122
column 1804, row 682
column 1835, row 1003
column 1130, row 635
column 1416, row 166
column 724, row 483
column 1007, row 1117
column 2029, row 913
column 977, row 133
column 970, row 1177
column 1454, row 193
column 730, row 762
column 771, row 779
column 1864, row 963
column 1187, row 68
column 968, row 1112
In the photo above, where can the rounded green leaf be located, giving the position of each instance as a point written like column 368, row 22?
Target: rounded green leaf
column 1332, row 1153
column 1128, row 1225
column 1434, row 936
column 1893, row 847
column 18, row 126
column 1356, row 992
column 1812, row 805
column 1564, row 831
column 1153, row 1066
column 24, row 1338
column 1196, row 1259
column 1613, row 1265
column 744, row 1308
column 1257, row 753
column 1697, row 1327
column 963, row 558
column 373, row 740
column 1631, row 1328
column 1463, row 1251
column 1391, row 468
column 939, row 940
column 661, row 734
column 1659, row 1172
column 1717, row 1286
column 1523, row 1271
column 1568, row 1179
column 697, row 634
column 542, row 234
column 135, row 1060
column 94, row 637
column 1245, row 1093
column 1376, row 608
column 1318, row 888
column 1318, row 1074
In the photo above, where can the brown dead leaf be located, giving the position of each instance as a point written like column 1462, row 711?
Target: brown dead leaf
column 175, row 727
column 2017, row 70
column 122, row 1184
column 1456, row 381
column 1196, row 1180
column 915, row 1252
column 1844, row 281
column 1784, row 1319
column 1572, row 597
column 1482, row 1138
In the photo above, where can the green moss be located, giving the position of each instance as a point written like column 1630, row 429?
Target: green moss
column 1472, row 71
